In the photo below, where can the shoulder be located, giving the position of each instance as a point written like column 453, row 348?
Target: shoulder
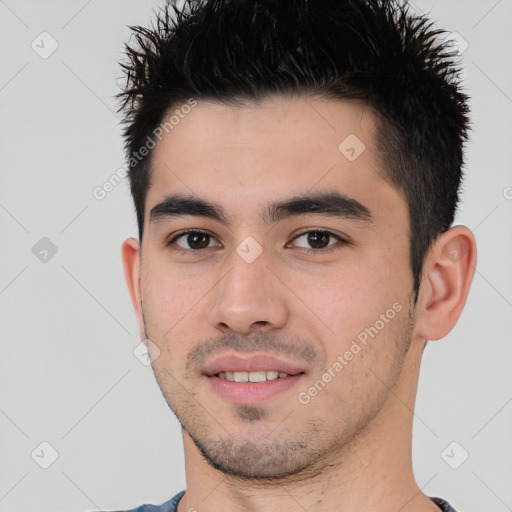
column 443, row 505
column 168, row 506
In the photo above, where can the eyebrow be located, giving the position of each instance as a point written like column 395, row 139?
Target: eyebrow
column 331, row 203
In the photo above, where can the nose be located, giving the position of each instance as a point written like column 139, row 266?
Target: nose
column 249, row 297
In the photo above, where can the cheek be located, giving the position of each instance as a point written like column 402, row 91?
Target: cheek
column 171, row 295
column 171, row 305
column 349, row 299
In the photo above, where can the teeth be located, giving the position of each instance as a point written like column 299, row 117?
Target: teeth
column 240, row 376
column 257, row 377
column 260, row 376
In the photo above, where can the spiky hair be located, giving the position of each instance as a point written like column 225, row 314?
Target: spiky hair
column 377, row 51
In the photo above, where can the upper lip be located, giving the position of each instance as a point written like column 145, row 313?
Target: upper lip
column 249, row 363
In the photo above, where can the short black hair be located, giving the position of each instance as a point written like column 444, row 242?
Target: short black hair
column 378, row 51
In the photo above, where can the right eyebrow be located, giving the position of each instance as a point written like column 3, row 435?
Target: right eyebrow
column 179, row 205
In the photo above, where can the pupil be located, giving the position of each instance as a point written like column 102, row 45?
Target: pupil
column 194, row 240
column 318, row 240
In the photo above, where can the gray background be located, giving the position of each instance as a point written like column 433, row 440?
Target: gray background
column 68, row 373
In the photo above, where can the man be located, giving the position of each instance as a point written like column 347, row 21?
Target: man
column 295, row 169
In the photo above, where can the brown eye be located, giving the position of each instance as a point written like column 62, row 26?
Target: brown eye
column 198, row 240
column 193, row 240
column 317, row 240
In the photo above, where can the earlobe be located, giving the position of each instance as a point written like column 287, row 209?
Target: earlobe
column 131, row 265
column 448, row 271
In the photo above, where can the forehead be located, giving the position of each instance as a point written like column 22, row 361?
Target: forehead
column 281, row 147
column 297, row 127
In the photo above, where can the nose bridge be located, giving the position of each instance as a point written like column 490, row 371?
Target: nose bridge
column 249, row 294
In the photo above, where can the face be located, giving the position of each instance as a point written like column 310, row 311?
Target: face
column 281, row 321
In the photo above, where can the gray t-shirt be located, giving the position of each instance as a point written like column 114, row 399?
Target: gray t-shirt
column 172, row 504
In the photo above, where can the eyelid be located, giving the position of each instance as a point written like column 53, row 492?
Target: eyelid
column 321, row 230
column 174, row 236
column 341, row 238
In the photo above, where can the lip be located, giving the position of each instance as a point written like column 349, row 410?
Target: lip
column 249, row 363
column 250, row 392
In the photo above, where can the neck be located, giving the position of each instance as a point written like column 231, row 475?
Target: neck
column 371, row 472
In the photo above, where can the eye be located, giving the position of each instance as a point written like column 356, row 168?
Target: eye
column 317, row 240
column 193, row 240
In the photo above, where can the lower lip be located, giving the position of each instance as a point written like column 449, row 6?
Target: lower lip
column 252, row 392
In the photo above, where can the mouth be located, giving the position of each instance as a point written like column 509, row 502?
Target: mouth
column 258, row 376
column 251, row 378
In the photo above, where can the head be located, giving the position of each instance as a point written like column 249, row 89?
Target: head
column 247, row 120
column 373, row 51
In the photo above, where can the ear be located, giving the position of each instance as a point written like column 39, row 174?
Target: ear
column 131, row 264
column 448, row 270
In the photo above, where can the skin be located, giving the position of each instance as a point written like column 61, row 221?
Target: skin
column 349, row 447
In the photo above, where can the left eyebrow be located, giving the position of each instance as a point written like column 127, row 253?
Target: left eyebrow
column 328, row 203
column 331, row 203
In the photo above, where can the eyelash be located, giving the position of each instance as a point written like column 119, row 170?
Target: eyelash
column 307, row 251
